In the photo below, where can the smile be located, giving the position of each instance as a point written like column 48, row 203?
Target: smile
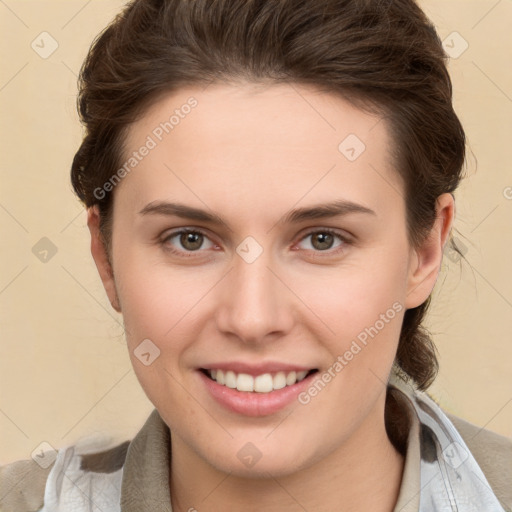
column 255, row 388
column 264, row 383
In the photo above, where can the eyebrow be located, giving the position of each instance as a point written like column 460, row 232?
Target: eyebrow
column 320, row 211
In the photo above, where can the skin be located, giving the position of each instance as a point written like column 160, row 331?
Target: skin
column 250, row 155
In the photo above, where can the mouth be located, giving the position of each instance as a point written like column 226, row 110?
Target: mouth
column 255, row 389
column 263, row 383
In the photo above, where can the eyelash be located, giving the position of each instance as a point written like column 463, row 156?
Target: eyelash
column 317, row 253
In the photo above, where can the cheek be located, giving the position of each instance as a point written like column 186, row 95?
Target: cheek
column 159, row 318
column 154, row 297
column 351, row 298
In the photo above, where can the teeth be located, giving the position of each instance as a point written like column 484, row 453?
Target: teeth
column 264, row 383
column 279, row 380
column 244, row 382
column 291, row 378
column 301, row 375
column 230, row 379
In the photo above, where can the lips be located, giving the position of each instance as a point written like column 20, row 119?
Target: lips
column 255, row 390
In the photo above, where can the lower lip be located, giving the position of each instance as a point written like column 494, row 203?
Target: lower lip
column 254, row 403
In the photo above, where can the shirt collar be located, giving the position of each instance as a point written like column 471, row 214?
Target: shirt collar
column 145, row 483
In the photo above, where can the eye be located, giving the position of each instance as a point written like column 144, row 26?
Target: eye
column 186, row 240
column 324, row 240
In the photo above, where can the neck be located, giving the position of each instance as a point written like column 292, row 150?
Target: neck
column 363, row 474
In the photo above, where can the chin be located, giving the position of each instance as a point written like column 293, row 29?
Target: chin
column 257, row 460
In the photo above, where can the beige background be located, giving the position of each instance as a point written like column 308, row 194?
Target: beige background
column 64, row 369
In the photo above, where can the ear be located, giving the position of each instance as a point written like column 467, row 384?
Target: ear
column 426, row 260
column 99, row 253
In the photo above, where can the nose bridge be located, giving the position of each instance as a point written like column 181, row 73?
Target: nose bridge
column 252, row 304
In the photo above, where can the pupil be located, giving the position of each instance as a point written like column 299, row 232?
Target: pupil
column 191, row 241
column 325, row 241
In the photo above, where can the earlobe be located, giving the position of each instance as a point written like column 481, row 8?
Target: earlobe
column 425, row 261
column 101, row 258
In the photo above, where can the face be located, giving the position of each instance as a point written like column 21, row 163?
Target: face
column 259, row 242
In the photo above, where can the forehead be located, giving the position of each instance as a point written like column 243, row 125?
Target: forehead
column 279, row 141
column 284, row 115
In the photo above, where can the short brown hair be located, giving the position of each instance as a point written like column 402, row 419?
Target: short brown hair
column 383, row 55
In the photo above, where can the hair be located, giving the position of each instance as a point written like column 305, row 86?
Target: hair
column 384, row 56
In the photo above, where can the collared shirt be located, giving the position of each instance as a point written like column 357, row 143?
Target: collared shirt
column 134, row 476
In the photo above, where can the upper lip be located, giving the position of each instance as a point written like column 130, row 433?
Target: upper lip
column 257, row 369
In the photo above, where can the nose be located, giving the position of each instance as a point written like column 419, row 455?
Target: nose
column 253, row 303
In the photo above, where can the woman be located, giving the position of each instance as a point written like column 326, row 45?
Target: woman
column 269, row 192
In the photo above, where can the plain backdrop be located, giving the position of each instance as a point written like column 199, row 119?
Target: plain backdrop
column 64, row 368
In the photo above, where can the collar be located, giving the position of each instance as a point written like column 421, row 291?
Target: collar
column 440, row 473
column 450, row 480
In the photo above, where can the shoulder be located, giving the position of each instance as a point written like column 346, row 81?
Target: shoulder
column 493, row 453
column 23, row 483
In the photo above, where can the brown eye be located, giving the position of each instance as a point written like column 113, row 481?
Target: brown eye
column 191, row 241
column 322, row 241
column 186, row 241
